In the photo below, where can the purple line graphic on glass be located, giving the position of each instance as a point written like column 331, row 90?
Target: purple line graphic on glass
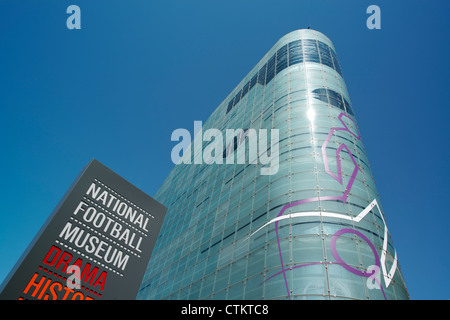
column 338, row 177
column 341, row 262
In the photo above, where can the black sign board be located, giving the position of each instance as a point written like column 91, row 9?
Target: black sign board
column 95, row 245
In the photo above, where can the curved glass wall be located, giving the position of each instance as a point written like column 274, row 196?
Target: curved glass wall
column 313, row 230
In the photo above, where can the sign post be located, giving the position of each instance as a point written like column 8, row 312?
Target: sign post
column 95, row 245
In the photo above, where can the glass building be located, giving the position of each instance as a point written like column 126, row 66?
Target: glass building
column 313, row 229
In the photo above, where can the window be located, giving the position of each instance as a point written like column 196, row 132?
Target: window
column 333, row 98
column 288, row 55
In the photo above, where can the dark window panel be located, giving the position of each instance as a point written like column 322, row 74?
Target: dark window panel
column 262, row 75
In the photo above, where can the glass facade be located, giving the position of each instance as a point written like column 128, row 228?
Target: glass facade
column 313, row 230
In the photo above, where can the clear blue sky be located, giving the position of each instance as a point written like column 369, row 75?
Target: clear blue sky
column 116, row 89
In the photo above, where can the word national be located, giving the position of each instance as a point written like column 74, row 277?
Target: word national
column 235, row 141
